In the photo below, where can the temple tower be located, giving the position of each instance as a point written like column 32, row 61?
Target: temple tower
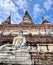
column 8, row 21
column 27, row 19
column 44, row 21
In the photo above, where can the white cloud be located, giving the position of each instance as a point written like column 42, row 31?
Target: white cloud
column 19, row 4
column 37, row 10
column 48, row 16
column 10, row 6
column 4, row 10
column 16, row 18
column 22, row 3
column 5, row 3
column 48, row 4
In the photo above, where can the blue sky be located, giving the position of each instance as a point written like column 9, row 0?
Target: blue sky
column 17, row 8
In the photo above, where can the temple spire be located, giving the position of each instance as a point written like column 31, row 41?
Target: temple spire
column 44, row 21
column 8, row 21
column 27, row 19
column 26, row 16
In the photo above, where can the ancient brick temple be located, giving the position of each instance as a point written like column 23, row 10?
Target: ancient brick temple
column 39, row 36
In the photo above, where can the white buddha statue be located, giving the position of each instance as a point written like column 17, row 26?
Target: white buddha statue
column 19, row 40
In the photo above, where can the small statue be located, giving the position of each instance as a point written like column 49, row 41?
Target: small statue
column 19, row 40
